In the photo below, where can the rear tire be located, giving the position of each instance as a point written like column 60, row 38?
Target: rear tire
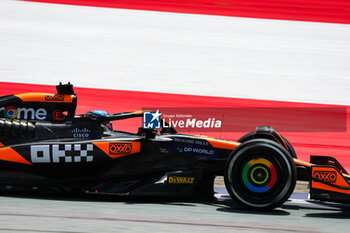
column 260, row 174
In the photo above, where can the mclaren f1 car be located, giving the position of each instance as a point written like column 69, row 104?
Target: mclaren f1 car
column 45, row 147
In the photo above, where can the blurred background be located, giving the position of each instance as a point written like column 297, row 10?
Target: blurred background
column 127, row 55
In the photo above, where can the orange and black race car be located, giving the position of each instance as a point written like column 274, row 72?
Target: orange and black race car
column 45, row 147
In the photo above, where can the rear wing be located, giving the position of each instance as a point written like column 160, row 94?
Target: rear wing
column 40, row 106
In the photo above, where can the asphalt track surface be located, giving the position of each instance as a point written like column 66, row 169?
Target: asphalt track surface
column 99, row 214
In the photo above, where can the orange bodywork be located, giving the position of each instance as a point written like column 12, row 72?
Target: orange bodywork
column 330, row 175
column 306, row 164
column 303, row 163
column 9, row 154
column 116, row 149
column 285, row 144
column 221, row 144
column 1, row 145
column 42, row 97
column 139, row 112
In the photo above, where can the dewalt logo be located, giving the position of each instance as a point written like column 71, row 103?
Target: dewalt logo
column 326, row 176
column 120, row 148
column 180, row 180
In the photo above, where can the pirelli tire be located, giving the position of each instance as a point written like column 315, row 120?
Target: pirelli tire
column 260, row 174
column 252, row 135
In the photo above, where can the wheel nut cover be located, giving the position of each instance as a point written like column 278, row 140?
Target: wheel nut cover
column 256, row 173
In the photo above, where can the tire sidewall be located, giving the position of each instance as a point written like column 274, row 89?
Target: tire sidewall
column 251, row 135
column 252, row 145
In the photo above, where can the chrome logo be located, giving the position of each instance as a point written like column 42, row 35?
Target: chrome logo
column 259, row 175
column 10, row 112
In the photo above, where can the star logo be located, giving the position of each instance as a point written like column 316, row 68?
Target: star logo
column 155, row 115
column 151, row 120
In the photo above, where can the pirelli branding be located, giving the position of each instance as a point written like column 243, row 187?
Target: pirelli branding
column 52, row 98
column 180, row 180
column 326, row 176
column 120, row 148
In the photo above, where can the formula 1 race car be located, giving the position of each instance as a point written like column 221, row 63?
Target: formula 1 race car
column 46, row 147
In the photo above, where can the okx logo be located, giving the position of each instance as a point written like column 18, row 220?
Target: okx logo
column 151, row 120
column 68, row 153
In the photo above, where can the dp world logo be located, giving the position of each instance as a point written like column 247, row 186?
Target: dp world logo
column 151, row 120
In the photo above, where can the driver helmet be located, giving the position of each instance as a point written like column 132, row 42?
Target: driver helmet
column 98, row 113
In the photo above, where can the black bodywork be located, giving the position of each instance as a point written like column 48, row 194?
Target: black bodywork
column 66, row 155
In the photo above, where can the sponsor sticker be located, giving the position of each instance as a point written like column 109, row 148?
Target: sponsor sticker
column 120, row 148
column 194, row 150
column 58, row 115
column 69, row 153
column 81, row 133
column 58, row 97
column 163, row 150
column 11, row 112
column 326, row 176
column 198, row 150
column 191, row 141
column 180, row 180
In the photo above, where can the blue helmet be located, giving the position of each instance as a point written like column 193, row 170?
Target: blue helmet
column 98, row 113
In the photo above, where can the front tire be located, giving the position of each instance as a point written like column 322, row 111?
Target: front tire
column 260, row 174
column 252, row 135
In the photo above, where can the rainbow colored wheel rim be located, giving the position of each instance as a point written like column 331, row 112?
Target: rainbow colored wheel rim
column 259, row 175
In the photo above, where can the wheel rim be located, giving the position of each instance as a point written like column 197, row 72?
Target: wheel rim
column 259, row 175
column 270, row 187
